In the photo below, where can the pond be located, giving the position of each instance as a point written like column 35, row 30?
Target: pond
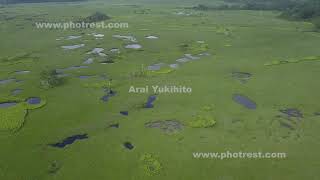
column 244, row 101
column 84, row 77
column 174, row 66
column 7, row 104
column 96, row 51
column 127, row 38
column 155, row 67
column 128, row 145
column 133, row 46
column 34, row 100
column 98, row 35
column 115, row 50
column 69, row 140
column 71, row 68
column 150, row 101
column 115, row 125
column 6, row 81
column 125, row 113
column 73, row 37
column 16, row 92
column 71, row 47
column 88, row 61
column 152, row 37
column 22, row 72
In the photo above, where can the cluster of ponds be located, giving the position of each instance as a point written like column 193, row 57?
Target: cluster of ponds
column 132, row 43
column 31, row 101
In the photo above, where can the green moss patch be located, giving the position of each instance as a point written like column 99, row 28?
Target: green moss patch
column 143, row 72
column 96, row 85
column 12, row 118
column 306, row 59
column 203, row 118
column 151, row 166
column 163, row 70
column 223, row 30
column 202, row 121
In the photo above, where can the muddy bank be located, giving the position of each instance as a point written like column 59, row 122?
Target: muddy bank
column 292, row 113
column 242, row 77
column 167, row 126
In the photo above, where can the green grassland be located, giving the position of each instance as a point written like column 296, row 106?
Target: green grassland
column 238, row 41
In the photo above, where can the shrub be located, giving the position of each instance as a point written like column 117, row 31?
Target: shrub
column 194, row 47
column 50, row 79
column 142, row 72
column 316, row 23
column 115, row 57
column 202, row 121
column 96, row 17
column 54, row 167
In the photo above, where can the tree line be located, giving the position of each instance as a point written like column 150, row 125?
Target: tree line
column 306, row 10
